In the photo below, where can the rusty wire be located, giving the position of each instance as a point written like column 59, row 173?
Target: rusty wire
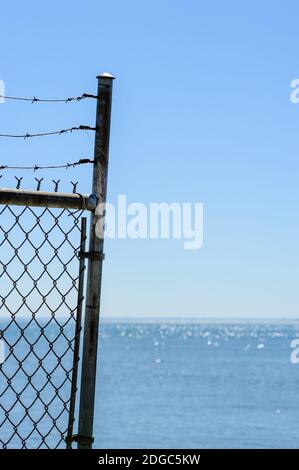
column 42, row 134
column 41, row 100
column 82, row 161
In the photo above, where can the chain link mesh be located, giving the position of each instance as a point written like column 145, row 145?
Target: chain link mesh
column 39, row 278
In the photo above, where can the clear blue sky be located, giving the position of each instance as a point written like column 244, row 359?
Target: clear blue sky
column 201, row 113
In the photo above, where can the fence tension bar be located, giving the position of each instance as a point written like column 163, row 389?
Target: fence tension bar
column 76, row 358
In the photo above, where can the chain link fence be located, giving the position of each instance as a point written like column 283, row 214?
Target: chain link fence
column 42, row 264
column 41, row 296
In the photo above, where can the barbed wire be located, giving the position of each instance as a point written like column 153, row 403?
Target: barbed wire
column 41, row 100
column 82, row 161
column 42, row 134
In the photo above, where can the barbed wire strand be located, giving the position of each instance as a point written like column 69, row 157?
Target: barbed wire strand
column 41, row 100
column 42, row 134
column 82, row 161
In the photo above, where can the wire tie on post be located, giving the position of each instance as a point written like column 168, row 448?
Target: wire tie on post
column 81, row 208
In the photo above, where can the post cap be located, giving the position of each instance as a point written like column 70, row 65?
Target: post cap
column 106, row 75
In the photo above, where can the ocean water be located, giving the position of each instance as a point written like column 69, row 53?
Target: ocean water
column 197, row 386
column 164, row 386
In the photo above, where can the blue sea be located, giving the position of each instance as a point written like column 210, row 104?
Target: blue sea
column 197, row 386
column 176, row 385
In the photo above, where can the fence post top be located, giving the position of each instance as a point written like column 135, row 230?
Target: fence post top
column 105, row 75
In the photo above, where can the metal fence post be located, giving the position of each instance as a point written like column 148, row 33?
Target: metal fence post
column 95, row 260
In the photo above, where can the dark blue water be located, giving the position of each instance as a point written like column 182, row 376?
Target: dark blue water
column 167, row 385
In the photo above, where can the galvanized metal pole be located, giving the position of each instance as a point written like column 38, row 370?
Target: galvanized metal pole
column 22, row 197
column 95, row 256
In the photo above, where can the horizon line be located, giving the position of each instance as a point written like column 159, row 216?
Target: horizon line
column 177, row 319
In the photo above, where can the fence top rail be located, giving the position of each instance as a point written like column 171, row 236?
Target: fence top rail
column 23, row 197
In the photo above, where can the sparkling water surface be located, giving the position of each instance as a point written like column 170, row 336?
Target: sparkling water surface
column 189, row 386
column 197, row 386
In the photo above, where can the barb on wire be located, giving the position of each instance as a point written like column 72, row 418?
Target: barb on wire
column 40, row 100
column 60, row 132
column 82, row 161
